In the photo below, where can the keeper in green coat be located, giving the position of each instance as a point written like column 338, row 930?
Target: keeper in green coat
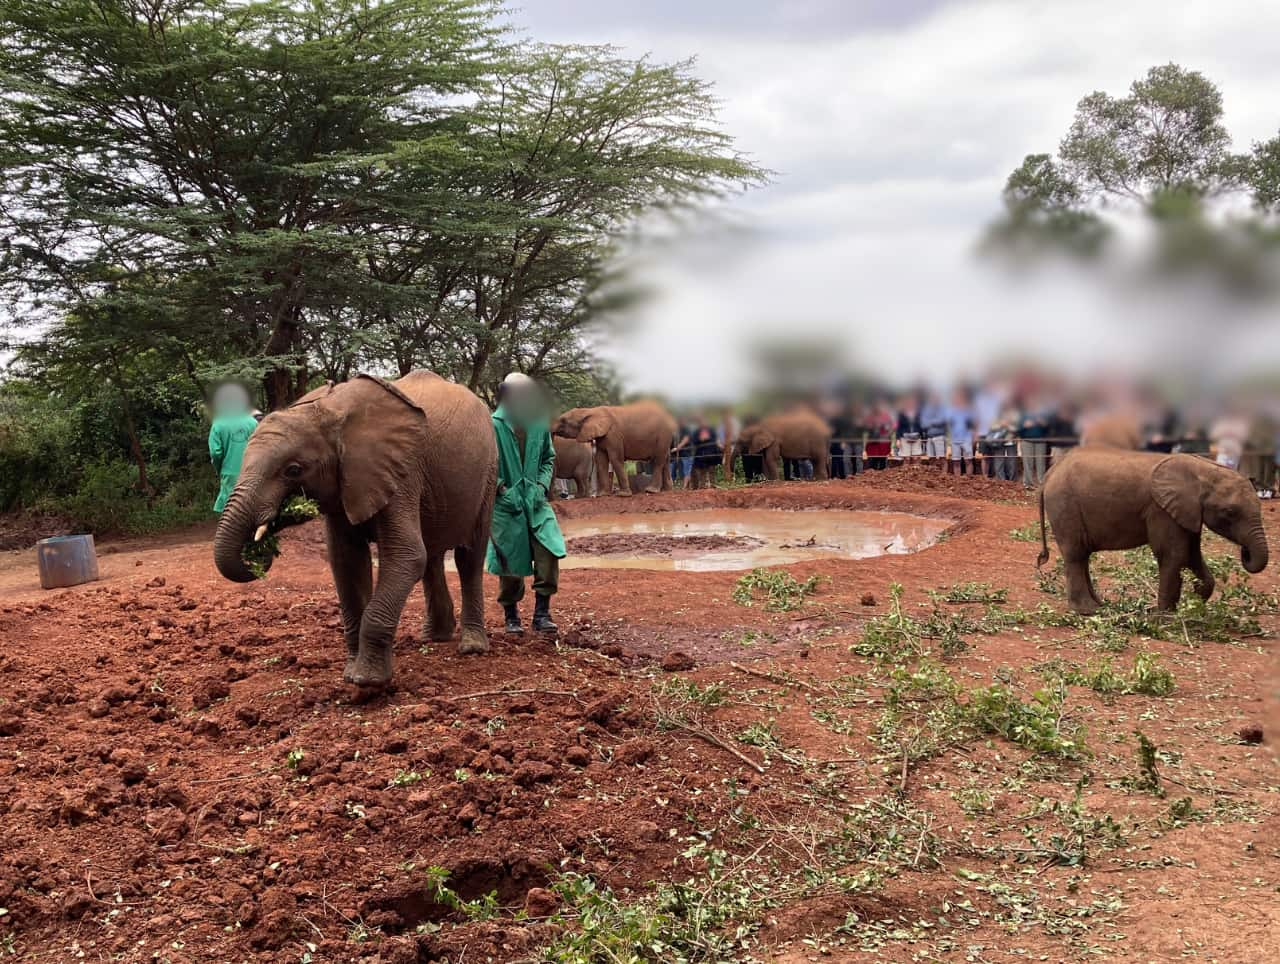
column 526, row 538
column 233, row 423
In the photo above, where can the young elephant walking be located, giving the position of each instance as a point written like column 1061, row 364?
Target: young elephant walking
column 1105, row 498
column 410, row 465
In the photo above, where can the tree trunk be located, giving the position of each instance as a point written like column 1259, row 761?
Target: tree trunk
column 283, row 385
column 131, row 429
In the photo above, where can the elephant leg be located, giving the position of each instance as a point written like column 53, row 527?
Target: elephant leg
column 620, row 471
column 657, row 480
column 603, row 485
column 1170, row 587
column 402, row 559
column 470, row 563
column 1093, row 590
column 352, row 568
column 771, row 471
column 1173, row 548
column 1204, row 578
column 1080, row 595
column 582, row 483
column 822, row 466
column 441, row 622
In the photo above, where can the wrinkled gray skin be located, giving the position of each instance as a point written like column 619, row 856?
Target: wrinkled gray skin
column 1104, row 498
column 642, row 430
column 577, row 461
column 799, row 434
column 410, row 465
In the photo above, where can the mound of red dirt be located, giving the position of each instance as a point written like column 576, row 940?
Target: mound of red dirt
column 183, row 774
column 18, row 530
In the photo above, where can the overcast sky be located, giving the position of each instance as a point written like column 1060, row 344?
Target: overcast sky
column 892, row 125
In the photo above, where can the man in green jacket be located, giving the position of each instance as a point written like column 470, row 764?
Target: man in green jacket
column 526, row 537
column 233, row 423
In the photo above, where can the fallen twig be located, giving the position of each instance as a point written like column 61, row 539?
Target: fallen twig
column 515, row 692
column 714, row 740
column 773, row 677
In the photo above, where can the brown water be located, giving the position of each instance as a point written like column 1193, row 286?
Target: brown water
column 787, row 537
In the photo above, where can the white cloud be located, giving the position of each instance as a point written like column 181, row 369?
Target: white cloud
column 892, row 137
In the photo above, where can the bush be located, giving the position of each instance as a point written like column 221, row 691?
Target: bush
column 72, row 458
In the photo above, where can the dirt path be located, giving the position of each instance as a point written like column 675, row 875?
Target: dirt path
column 184, row 777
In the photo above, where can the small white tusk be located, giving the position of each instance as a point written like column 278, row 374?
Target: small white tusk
column 262, row 531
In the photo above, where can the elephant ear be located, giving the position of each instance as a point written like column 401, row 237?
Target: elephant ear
column 379, row 439
column 760, row 440
column 595, row 426
column 324, row 391
column 1177, row 485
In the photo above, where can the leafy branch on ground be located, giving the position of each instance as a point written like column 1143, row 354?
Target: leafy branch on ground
column 782, row 591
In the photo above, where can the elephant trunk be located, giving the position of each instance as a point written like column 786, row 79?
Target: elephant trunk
column 1253, row 551
column 236, row 528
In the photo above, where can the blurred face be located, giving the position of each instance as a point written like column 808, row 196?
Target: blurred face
column 525, row 403
column 230, row 400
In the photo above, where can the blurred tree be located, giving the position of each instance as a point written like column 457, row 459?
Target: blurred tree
column 1043, row 209
column 1264, row 175
column 1163, row 150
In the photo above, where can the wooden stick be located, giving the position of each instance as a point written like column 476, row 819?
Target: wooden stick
column 772, row 677
column 714, row 740
column 518, row 692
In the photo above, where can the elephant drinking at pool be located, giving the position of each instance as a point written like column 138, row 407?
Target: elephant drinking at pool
column 410, row 465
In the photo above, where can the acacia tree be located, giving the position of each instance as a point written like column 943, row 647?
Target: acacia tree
column 1166, row 135
column 239, row 150
column 336, row 183
column 1163, row 150
column 569, row 146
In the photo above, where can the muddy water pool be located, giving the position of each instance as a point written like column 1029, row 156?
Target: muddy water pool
column 718, row 539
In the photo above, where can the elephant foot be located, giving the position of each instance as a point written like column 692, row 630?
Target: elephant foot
column 652, row 491
column 372, row 668
column 1204, row 590
column 474, row 642
column 349, row 667
column 440, row 632
column 1087, row 607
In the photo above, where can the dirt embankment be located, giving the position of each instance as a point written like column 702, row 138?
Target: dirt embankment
column 184, row 777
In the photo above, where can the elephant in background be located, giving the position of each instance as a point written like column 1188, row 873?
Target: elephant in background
column 1114, row 431
column 643, row 431
column 411, row 465
column 576, row 461
column 1103, row 498
column 800, row 434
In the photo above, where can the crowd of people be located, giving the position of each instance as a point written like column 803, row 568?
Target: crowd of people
column 997, row 429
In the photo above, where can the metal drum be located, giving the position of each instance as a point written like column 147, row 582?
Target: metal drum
column 66, row 561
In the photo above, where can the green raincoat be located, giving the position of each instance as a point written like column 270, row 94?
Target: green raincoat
column 521, row 512
column 228, row 437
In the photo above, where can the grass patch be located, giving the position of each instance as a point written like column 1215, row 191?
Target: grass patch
column 1029, row 532
column 1147, row 676
column 971, row 592
column 782, row 591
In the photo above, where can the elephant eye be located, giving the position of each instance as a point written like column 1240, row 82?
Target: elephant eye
column 293, row 471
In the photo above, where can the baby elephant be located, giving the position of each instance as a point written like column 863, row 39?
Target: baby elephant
column 1100, row 498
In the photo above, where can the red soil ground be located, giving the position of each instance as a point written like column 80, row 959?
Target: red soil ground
column 184, row 777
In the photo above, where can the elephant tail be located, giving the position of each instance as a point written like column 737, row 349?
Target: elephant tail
column 1044, row 536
